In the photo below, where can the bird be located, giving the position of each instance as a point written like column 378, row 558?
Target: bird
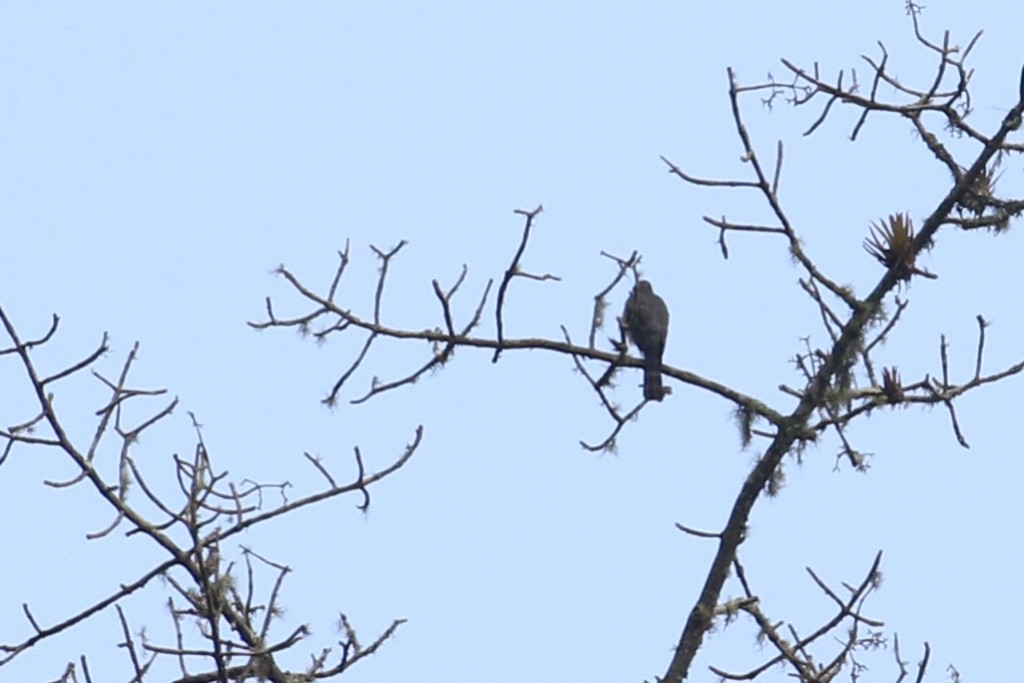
column 645, row 321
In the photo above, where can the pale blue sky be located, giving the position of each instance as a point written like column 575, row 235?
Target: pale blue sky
column 158, row 161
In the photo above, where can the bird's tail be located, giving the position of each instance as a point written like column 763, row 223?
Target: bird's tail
column 653, row 389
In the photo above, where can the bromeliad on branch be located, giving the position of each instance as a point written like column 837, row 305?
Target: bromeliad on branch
column 892, row 243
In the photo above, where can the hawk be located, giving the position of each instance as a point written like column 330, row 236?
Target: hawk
column 645, row 321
